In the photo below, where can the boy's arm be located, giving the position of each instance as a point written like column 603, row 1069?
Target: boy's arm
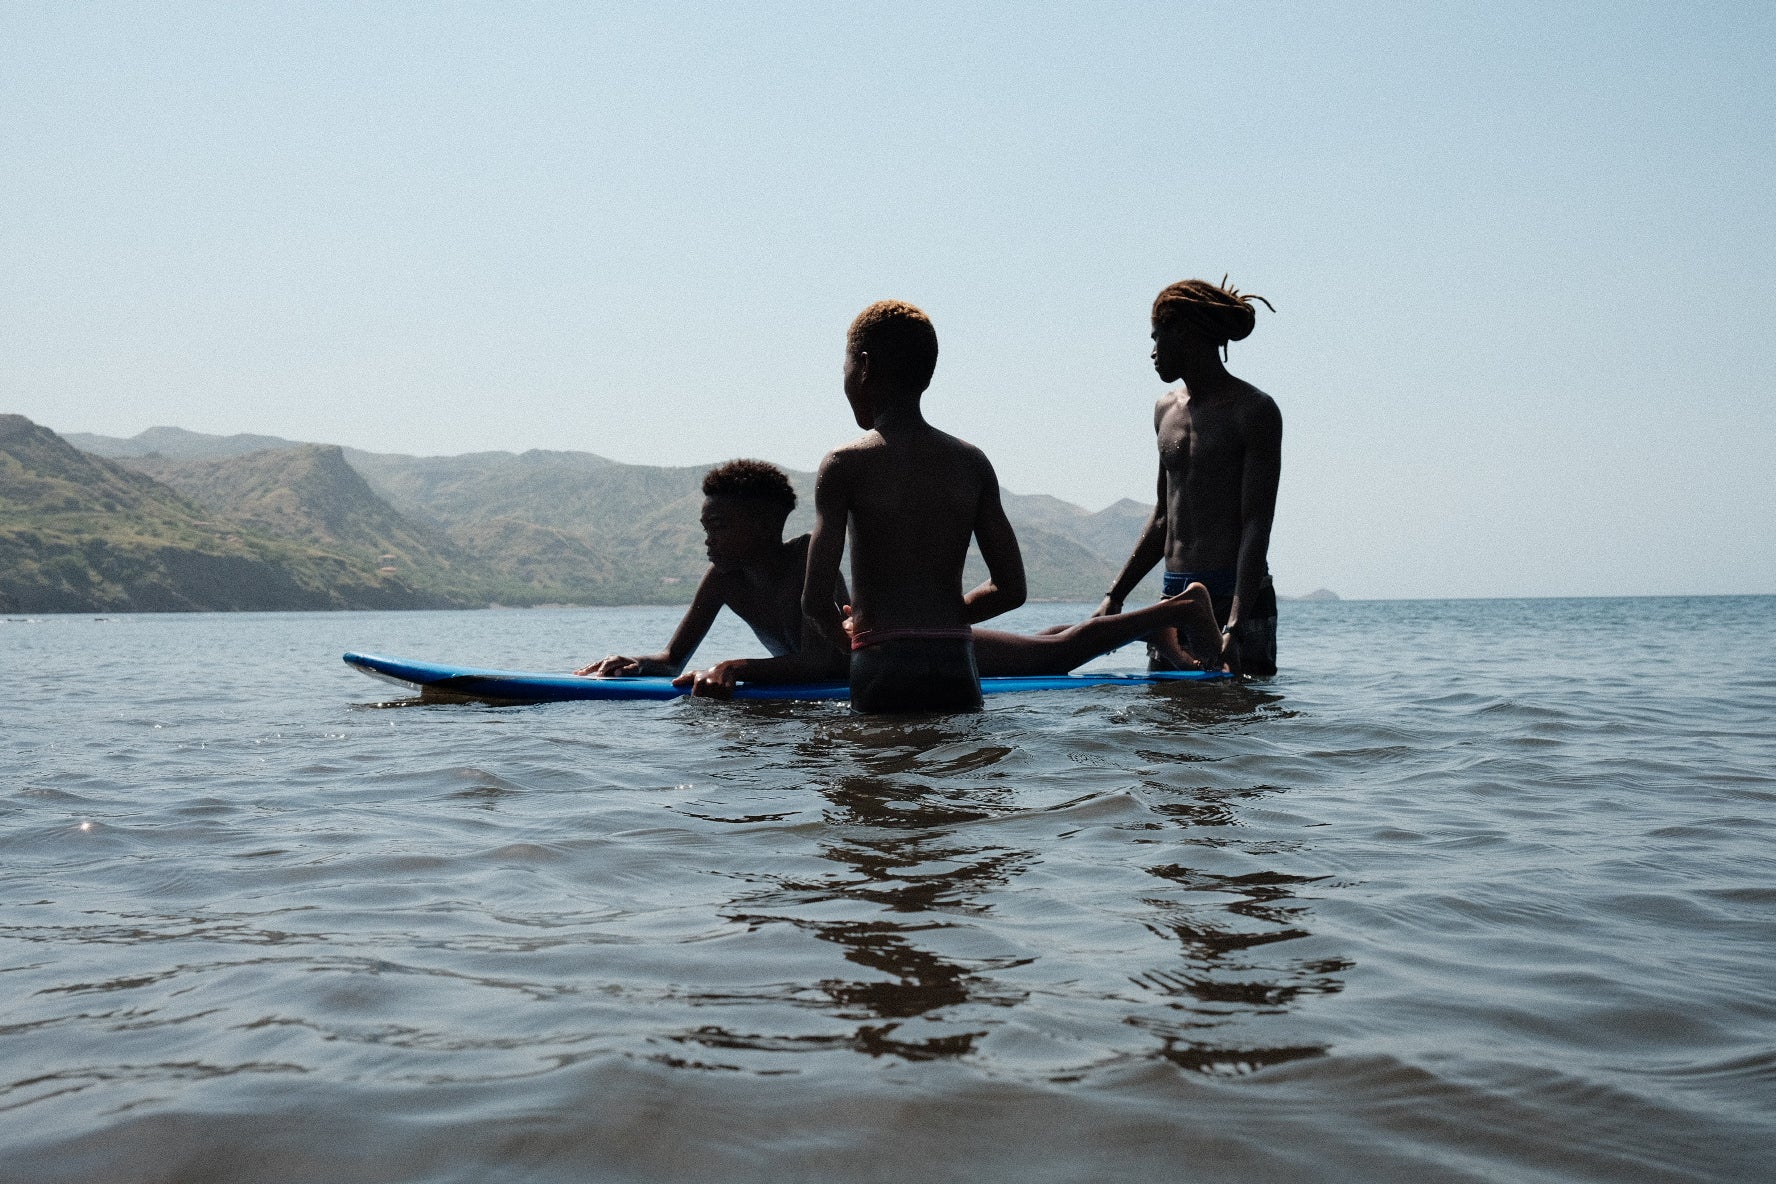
column 1258, row 494
column 692, row 628
column 1149, row 549
column 826, row 550
column 815, row 661
column 1004, row 588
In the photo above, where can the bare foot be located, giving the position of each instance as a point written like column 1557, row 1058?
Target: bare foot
column 1196, row 625
column 1163, row 643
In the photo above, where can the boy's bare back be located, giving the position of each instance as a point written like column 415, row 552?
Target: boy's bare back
column 913, row 497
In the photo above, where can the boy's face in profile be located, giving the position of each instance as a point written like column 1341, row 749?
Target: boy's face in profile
column 856, row 367
column 1171, row 342
column 739, row 531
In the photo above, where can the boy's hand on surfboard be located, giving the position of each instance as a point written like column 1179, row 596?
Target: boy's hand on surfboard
column 613, row 666
column 717, row 682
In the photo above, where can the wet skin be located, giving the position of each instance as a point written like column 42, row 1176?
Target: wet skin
column 1220, row 455
column 758, row 574
column 910, row 497
column 1188, row 616
column 755, row 572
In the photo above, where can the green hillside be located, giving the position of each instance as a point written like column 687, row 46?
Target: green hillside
column 308, row 493
column 549, row 526
column 566, row 527
column 644, row 519
column 79, row 533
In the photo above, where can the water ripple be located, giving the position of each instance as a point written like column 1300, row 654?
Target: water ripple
column 1447, row 917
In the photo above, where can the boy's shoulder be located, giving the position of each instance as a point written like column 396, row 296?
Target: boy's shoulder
column 848, row 458
column 870, row 451
column 1258, row 409
column 874, row 444
column 851, row 449
column 940, row 441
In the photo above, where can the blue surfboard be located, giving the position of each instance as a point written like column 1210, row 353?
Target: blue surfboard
column 436, row 680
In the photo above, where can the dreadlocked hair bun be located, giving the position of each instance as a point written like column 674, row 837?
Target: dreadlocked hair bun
column 1224, row 312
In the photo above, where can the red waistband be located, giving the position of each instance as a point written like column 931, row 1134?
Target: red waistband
column 869, row 637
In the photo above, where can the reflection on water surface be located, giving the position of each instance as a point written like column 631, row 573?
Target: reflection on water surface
column 927, row 830
column 1438, row 917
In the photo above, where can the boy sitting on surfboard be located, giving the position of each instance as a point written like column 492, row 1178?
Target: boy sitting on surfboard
column 757, row 573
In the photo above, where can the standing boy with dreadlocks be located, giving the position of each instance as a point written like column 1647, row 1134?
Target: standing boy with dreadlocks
column 1220, row 454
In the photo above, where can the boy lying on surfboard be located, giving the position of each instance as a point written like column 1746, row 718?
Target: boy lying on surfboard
column 757, row 573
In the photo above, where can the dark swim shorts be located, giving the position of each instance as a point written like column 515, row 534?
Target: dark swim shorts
column 915, row 674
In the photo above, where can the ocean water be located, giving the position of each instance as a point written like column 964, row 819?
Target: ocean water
column 1473, row 890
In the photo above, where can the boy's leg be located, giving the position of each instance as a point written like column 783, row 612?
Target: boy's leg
column 1000, row 653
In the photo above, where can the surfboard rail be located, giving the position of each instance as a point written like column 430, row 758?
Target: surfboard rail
column 442, row 681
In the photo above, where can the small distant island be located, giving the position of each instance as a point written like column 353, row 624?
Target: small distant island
column 174, row 520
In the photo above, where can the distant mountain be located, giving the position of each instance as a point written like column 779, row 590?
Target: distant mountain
column 566, row 527
column 1073, row 553
column 568, row 490
column 308, row 493
column 174, row 442
column 1112, row 531
column 553, row 526
column 80, row 533
column 643, row 518
column 1056, row 567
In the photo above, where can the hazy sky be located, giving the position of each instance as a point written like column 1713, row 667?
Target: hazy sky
column 1521, row 255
